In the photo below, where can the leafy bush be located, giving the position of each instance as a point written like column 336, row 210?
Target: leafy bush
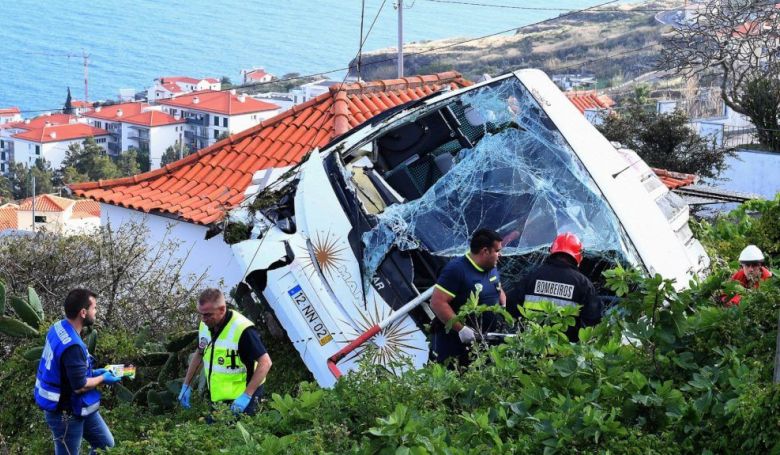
column 670, row 372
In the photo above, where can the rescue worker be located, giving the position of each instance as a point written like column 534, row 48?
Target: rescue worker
column 751, row 271
column 235, row 361
column 469, row 278
column 559, row 281
column 66, row 382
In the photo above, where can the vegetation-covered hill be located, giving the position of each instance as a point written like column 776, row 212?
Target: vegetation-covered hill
column 605, row 44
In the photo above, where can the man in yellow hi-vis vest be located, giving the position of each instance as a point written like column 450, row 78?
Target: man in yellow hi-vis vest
column 234, row 359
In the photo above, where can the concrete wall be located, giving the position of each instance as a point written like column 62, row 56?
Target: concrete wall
column 53, row 152
column 212, row 257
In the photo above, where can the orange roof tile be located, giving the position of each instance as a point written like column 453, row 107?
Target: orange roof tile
column 117, row 112
column 9, row 111
column 42, row 120
column 589, row 99
column 220, row 102
column 80, row 104
column 86, row 208
column 46, row 203
column 152, row 118
column 202, row 186
column 674, row 180
column 57, row 133
column 8, row 218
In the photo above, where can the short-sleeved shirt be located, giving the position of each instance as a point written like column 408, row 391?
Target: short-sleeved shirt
column 463, row 280
column 250, row 346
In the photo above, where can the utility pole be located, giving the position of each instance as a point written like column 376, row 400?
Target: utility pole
column 86, row 76
column 33, row 201
column 400, row 38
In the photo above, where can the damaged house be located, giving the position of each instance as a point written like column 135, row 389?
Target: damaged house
column 340, row 244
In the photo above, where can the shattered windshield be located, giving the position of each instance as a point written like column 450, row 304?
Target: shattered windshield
column 521, row 178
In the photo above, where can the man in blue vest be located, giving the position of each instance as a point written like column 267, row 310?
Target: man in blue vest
column 469, row 278
column 66, row 382
column 234, row 358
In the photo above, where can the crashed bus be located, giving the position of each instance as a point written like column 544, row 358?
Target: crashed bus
column 345, row 248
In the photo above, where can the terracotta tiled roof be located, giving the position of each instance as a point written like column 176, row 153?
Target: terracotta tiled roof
column 201, row 186
column 9, row 111
column 57, row 133
column 46, row 203
column 116, row 112
column 41, row 121
column 674, row 180
column 220, row 102
column 8, row 218
column 256, row 74
column 212, row 80
column 78, row 104
column 152, row 118
column 584, row 100
column 86, row 208
column 182, row 79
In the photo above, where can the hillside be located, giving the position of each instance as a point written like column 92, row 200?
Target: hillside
column 605, row 44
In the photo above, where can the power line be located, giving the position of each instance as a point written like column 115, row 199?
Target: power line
column 393, row 58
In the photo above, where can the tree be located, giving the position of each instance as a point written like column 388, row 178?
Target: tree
column 88, row 162
column 174, row 153
column 738, row 41
column 127, row 163
column 20, row 179
column 664, row 140
column 68, row 108
column 143, row 158
column 6, row 190
column 226, row 83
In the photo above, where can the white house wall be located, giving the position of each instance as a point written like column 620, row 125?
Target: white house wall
column 162, row 137
column 238, row 123
column 212, row 257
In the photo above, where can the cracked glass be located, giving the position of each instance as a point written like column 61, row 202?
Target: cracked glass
column 521, row 179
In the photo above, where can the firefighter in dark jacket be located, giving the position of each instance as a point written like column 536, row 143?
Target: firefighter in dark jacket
column 559, row 281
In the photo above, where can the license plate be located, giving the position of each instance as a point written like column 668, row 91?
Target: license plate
column 317, row 327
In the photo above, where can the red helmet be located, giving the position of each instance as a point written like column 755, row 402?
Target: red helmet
column 568, row 243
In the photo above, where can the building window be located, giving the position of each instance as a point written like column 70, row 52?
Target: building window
column 216, row 134
column 224, row 122
column 37, row 149
column 98, row 124
column 2, row 144
column 40, row 218
column 3, row 156
column 216, row 120
column 2, row 167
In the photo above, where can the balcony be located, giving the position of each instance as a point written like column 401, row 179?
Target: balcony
column 204, row 121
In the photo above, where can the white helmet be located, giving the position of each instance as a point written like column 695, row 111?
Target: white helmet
column 751, row 253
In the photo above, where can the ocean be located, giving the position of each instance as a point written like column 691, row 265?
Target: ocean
column 131, row 42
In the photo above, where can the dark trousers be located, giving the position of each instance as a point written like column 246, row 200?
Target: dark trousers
column 445, row 346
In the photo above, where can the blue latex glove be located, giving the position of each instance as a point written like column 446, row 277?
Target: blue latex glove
column 109, row 378
column 241, row 403
column 98, row 372
column 184, row 396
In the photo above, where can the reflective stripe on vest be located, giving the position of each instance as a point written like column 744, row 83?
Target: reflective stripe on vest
column 54, row 397
column 227, row 374
column 532, row 301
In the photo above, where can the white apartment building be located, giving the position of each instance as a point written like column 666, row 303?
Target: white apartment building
column 210, row 115
column 9, row 130
column 9, row 115
column 172, row 86
column 51, row 142
column 138, row 125
column 305, row 92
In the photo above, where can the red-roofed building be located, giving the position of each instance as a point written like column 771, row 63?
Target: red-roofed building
column 196, row 191
column 171, row 86
column 9, row 114
column 51, row 142
column 138, row 125
column 214, row 114
column 57, row 214
column 593, row 105
column 80, row 106
column 9, row 130
column 256, row 76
